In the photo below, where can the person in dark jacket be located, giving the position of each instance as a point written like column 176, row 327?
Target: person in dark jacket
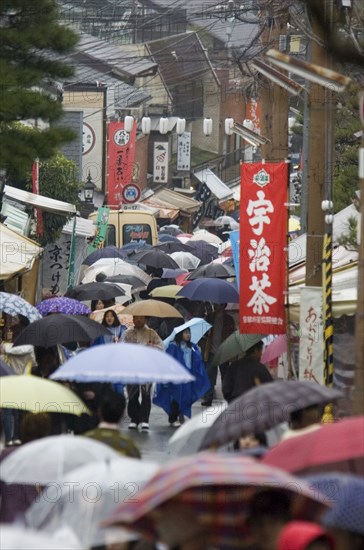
column 245, row 373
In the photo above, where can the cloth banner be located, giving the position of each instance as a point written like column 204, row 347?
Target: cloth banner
column 263, row 228
column 120, row 165
column 311, row 362
column 101, row 224
column 160, row 161
column 35, row 189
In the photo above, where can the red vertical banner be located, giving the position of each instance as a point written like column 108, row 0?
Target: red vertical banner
column 263, row 228
column 121, row 154
column 35, row 189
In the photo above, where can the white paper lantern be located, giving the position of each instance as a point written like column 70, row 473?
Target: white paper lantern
column 146, row 124
column 207, row 126
column 229, row 123
column 128, row 123
column 163, row 125
column 180, row 126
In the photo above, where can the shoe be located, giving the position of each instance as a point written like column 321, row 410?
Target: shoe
column 133, row 426
column 175, row 424
column 207, row 403
column 145, row 426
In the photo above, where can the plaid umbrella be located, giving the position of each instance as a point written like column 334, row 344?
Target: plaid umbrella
column 62, row 304
column 264, row 407
column 217, row 487
column 15, row 305
column 332, row 447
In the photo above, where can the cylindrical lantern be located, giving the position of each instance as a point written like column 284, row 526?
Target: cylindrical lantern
column 163, row 125
column 146, row 125
column 180, row 126
column 229, row 123
column 128, row 123
column 207, row 126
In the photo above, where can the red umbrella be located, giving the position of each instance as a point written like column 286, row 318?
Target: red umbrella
column 275, row 349
column 332, row 447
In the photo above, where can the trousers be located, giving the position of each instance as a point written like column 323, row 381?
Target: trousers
column 139, row 411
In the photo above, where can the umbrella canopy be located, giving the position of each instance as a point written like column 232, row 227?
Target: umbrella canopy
column 49, row 459
column 136, row 283
column 275, row 349
column 110, row 267
column 171, row 229
column 100, row 253
column 172, row 246
column 332, row 447
column 116, row 481
column 5, row 370
column 205, row 289
column 62, row 304
column 167, row 237
column 236, row 344
column 203, row 235
column 34, row 394
column 184, row 237
column 188, row 438
column 17, row 537
column 228, row 220
column 126, row 320
column 168, row 291
column 212, row 270
column 60, row 329
column 217, row 489
column 152, row 308
column 203, row 250
column 197, row 326
column 124, row 363
column 95, row 291
column 155, row 258
column 15, row 305
column 173, row 273
column 272, row 404
column 186, row 260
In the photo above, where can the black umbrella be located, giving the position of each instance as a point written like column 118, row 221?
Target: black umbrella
column 154, row 258
column 100, row 253
column 264, row 407
column 60, row 329
column 135, row 282
column 5, row 370
column 203, row 250
column 172, row 246
column 219, row 271
column 95, row 291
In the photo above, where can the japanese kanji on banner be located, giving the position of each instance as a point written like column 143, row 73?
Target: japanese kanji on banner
column 263, row 228
column 121, row 153
column 311, row 364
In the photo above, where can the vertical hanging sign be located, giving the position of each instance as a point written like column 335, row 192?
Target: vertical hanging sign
column 311, row 336
column 101, row 225
column 160, row 162
column 263, row 226
column 121, row 154
column 184, row 151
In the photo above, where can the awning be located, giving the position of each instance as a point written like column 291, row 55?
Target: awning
column 84, row 228
column 44, row 203
column 17, row 253
column 172, row 200
column 214, row 183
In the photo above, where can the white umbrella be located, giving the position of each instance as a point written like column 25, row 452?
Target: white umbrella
column 17, row 537
column 185, row 260
column 88, row 496
column 47, row 460
column 224, row 246
column 125, row 364
column 228, row 220
column 188, row 438
column 111, row 267
column 203, row 235
column 197, row 326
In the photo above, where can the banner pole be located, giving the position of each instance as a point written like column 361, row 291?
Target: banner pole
column 71, row 267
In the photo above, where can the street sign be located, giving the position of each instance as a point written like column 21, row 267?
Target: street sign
column 131, row 193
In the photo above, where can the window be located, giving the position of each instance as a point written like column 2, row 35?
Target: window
column 110, row 238
column 135, row 232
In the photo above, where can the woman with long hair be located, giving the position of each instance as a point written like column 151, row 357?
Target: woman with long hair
column 177, row 399
column 115, row 329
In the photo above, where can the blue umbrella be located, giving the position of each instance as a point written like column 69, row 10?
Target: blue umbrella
column 123, row 363
column 216, row 291
column 100, row 253
column 5, row 370
column 15, row 305
column 61, row 304
column 197, row 326
column 166, row 237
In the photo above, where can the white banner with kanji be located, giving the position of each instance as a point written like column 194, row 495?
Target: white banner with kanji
column 160, row 162
column 311, row 363
column 184, row 151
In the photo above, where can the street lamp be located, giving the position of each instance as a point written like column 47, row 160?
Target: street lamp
column 89, row 189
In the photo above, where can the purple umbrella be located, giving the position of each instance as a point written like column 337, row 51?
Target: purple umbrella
column 61, row 304
column 216, row 291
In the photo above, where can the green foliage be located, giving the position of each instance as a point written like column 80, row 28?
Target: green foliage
column 349, row 238
column 31, row 39
column 57, row 180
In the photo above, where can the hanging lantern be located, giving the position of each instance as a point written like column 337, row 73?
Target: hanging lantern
column 207, row 126
column 229, row 123
column 146, row 123
column 180, row 126
column 128, row 123
column 163, row 125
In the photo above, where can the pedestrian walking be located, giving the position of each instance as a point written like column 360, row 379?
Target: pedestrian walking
column 139, row 412
column 177, row 399
column 114, row 327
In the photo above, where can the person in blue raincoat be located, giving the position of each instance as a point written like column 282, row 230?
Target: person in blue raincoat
column 177, row 399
